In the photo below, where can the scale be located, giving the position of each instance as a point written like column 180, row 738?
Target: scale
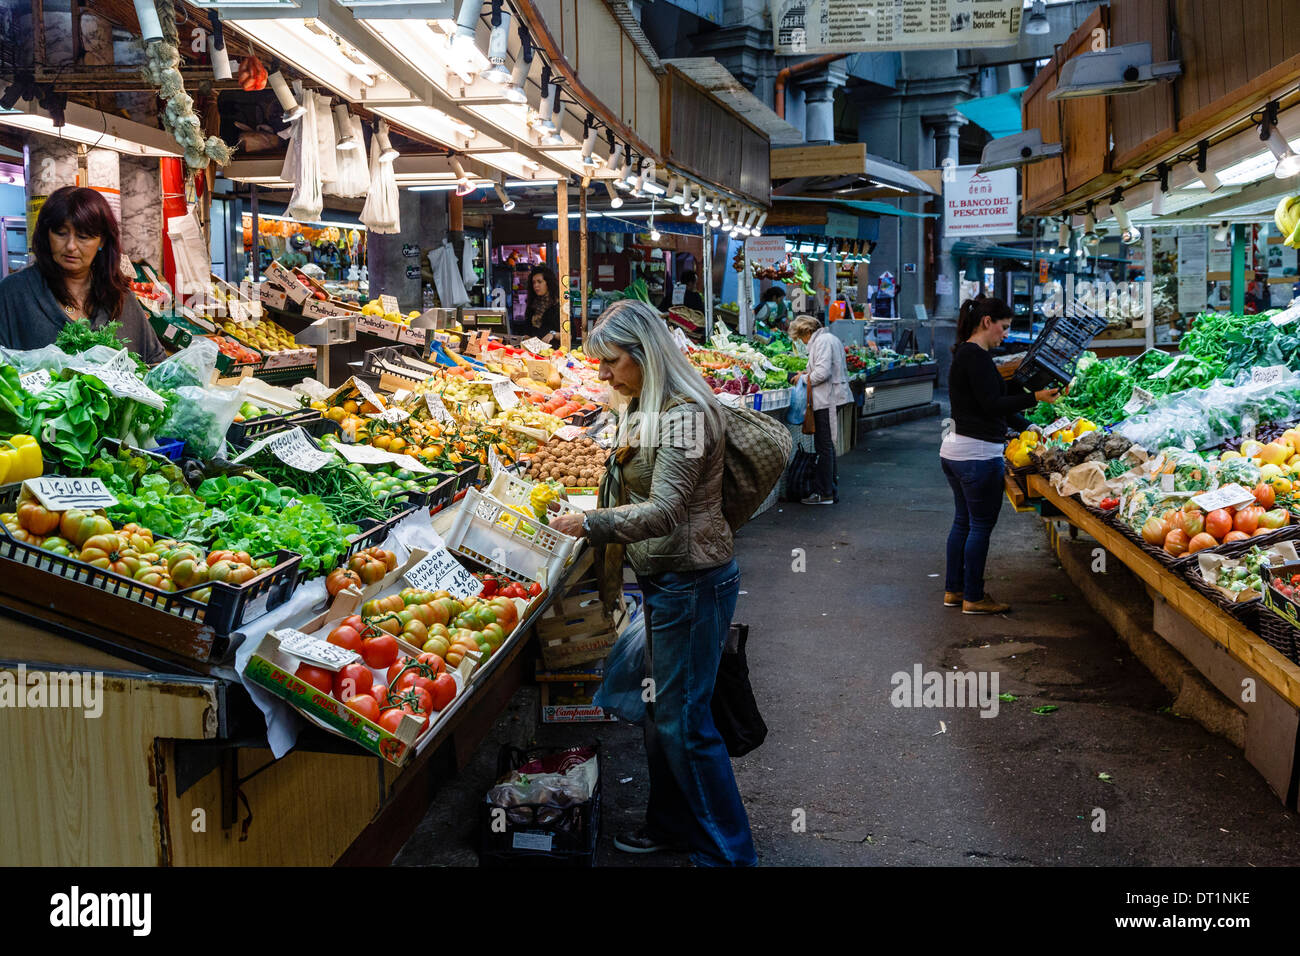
column 323, row 333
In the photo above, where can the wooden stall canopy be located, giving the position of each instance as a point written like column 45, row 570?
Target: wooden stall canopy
column 1236, row 55
column 601, row 65
column 706, row 138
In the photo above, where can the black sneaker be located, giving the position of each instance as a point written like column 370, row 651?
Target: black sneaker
column 643, row 840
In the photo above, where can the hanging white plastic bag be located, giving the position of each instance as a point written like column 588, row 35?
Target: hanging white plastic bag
column 306, row 203
column 326, row 136
column 446, row 276
column 354, row 176
column 467, row 273
column 190, row 252
column 380, row 213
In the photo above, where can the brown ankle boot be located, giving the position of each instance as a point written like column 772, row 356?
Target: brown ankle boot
column 952, row 599
column 986, row 605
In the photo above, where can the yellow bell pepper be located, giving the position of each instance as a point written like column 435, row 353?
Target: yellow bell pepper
column 20, row 459
column 1084, row 426
column 1029, row 438
column 1065, row 435
column 1021, row 458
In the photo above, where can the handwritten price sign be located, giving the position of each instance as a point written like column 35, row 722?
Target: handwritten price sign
column 63, row 494
column 442, row 572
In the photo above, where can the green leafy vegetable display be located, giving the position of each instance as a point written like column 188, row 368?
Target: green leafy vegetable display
column 77, row 336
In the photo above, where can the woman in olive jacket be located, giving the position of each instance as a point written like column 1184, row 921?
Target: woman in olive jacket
column 670, row 458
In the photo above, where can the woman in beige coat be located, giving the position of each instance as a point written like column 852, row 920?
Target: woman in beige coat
column 827, row 380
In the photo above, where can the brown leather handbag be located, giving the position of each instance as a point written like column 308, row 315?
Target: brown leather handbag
column 809, row 424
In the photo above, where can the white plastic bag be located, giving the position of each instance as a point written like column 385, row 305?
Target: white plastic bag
column 446, row 276
column 306, row 203
column 380, row 213
column 326, row 136
column 354, row 177
column 191, row 254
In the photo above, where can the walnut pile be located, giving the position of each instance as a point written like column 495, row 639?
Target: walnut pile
column 575, row 464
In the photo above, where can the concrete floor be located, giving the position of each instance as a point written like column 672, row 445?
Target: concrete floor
column 879, row 785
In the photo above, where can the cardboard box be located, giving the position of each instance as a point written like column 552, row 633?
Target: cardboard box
column 296, row 290
column 315, row 309
column 566, row 695
column 1274, row 600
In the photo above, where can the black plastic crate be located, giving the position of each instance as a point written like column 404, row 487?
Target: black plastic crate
column 1052, row 356
column 568, row 840
column 242, row 434
column 583, row 419
column 373, row 532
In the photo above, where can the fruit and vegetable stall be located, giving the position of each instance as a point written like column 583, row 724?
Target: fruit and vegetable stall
column 1186, row 468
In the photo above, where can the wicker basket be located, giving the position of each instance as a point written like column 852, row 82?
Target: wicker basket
column 1279, row 634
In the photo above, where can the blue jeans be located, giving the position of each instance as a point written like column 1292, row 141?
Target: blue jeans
column 977, row 492
column 693, row 794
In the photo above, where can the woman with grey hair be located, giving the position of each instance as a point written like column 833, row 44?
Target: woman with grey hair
column 827, row 379
column 662, row 499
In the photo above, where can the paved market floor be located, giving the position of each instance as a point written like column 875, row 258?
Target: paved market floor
column 879, row 785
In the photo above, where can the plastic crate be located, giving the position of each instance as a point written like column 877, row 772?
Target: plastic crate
column 1052, row 356
column 507, row 541
column 174, row 620
column 391, row 353
column 568, row 840
column 171, row 448
column 515, row 492
column 373, row 533
column 242, row 434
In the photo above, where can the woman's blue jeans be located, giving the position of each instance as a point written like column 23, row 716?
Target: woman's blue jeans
column 693, row 794
column 977, row 492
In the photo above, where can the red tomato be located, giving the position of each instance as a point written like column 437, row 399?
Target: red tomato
column 355, row 622
column 1200, row 542
column 391, row 718
column 379, row 652
column 1218, row 523
column 397, row 667
column 379, row 691
column 318, row 677
column 366, row 706
column 433, row 661
column 1232, row 536
column 413, row 700
column 1265, row 495
column 1247, row 520
column 1176, row 542
column 351, row 680
column 444, row 690
column 535, row 589
column 346, row 637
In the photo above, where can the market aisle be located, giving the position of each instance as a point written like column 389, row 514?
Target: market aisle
column 881, row 785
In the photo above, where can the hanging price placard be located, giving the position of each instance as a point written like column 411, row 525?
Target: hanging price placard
column 64, row 494
column 1269, row 376
column 389, row 304
column 1140, row 400
column 392, row 416
column 314, row 650
column 505, row 395
column 439, row 571
column 437, row 410
column 1225, row 497
column 1056, row 426
column 569, row 433
column 536, row 346
column 370, row 455
column 33, row 383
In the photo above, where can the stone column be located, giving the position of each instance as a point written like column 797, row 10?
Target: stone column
column 947, row 129
column 104, row 176
column 819, row 117
column 142, row 218
column 48, row 164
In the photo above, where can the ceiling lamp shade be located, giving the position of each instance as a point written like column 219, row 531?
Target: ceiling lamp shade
column 467, row 60
column 1019, row 149
column 498, row 45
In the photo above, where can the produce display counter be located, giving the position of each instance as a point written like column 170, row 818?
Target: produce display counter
column 1226, row 652
column 172, row 765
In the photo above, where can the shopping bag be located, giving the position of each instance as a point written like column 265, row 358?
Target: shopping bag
column 798, row 403
column 799, row 479
column 735, row 711
column 621, row 688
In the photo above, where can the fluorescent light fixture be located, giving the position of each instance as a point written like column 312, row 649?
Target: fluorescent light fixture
column 1126, row 68
column 522, row 183
column 466, row 59
column 498, row 44
column 298, row 222
column 588, row 145
column 1019, row 149
column 93, row 128
column 463, row 187
column 518, row 76
column 1253, row 168
column 1288, row 163
column 631, row 214
column 615, row 199
column 292, row 108
column 1036, row 24
column 1221, row 233
column 346, row 139
column 507, row 203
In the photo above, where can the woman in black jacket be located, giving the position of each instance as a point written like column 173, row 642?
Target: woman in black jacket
column 971, row 453
column 542, row 307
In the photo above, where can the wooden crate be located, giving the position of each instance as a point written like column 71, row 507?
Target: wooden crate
column 576, row 629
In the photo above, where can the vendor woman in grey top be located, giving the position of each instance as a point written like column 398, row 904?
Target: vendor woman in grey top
column 76, row 275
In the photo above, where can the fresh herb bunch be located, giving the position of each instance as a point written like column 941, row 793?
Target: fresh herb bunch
column 77, row 336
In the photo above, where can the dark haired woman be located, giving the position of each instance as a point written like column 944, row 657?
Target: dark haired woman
column 971, row 453
column 542, row 307
column 77, row 275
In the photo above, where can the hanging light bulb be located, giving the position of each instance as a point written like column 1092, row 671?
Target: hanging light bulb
column 1208, row 179
column 1130, row 234
column 588, row 145
column 1090, row 237
column 1221, row 233
column 556, row 136
column 346, row 139
column 715, row 217
column 615, row 199
column 507, row 203
column 758, row 226
column 498, row 44
column 292, row 108
column 615, row 163
column 387, row 154
column 700, row 216
column 467, row 60
column 463, row 186
column 654, row 233
column 515, row 92
column 1288, row 163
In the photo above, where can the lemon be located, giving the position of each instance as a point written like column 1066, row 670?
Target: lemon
column 1229, row 455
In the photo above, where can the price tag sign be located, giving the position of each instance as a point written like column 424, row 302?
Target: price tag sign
column 1225, row 497
column 494, row 461
column 33, row 383
column 63, row 494
column 505, row 395
column 370, row 455
column 363, row 390
column 124, row 384
column 1140, row 400
column 401, row 395
column 536, row 346
column 568, row 376
column 1269, row 376
column 389, row 304
column 569, row 433
column 442, row 572
column 1168, row 369
column 437, row 410
column 314, row 650
column 1166, row 482
column 1287, row 315
column 292, row 447
column 1056, row 426
column 393, row 416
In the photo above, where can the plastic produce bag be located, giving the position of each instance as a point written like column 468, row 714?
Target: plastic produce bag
column 327, row 135
column 191, row 254
column 620, row 691
column 192, row 366
column 201, row 417
column 1204, row 417
column 302, row 163
column 353, row 180
column 798, row 403
column 446, row 276
column 380, row 213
